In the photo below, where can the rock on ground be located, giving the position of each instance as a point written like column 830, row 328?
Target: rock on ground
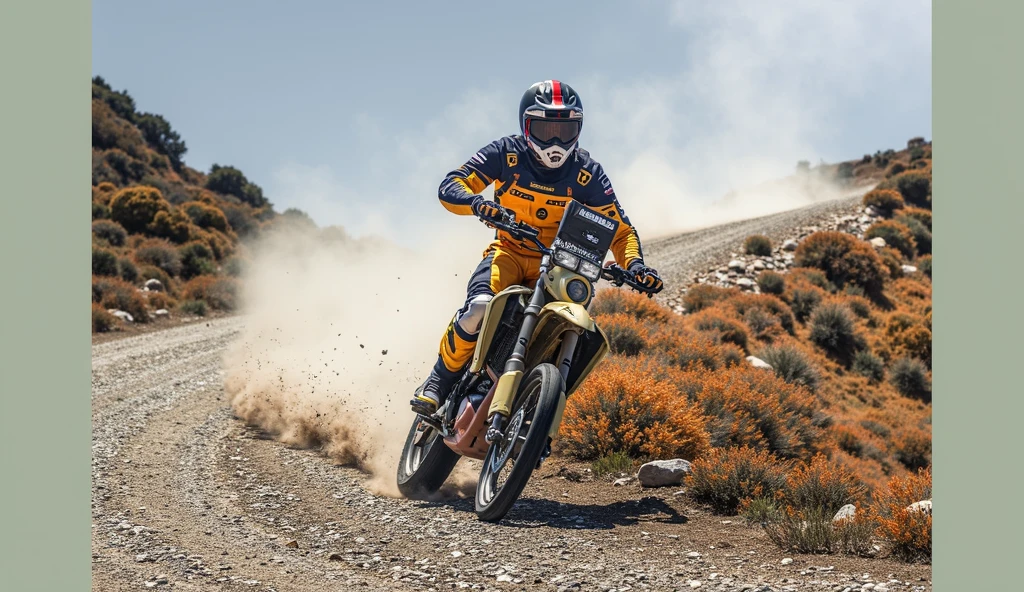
column 659, row 473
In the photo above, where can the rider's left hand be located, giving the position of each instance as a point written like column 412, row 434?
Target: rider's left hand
column 647, row 276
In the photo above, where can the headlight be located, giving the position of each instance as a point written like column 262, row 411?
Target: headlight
column 589, row 270
column 577, row 290
column 566, row 260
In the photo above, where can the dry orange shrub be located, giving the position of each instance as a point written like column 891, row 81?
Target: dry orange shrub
column 686, row 350
column 747, row 406
column 632, row 303
column 702, row 296
column 724, row 329
column 727, row 477
column 219, row 292
column 907, row 532
column 626, row 335
column 622, row 408
column 766, row 304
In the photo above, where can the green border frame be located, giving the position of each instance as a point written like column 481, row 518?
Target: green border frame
column 978, row 191
column 45, row 49
column 45, row 138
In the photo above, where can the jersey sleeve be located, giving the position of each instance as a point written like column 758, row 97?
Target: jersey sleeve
column 460, row 186
column 626, row 244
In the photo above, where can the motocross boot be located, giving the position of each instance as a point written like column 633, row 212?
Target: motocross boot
column 434, row 390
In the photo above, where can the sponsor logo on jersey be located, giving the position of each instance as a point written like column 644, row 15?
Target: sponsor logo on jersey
column 557, row 202
column 520, row 194
column 583, row 178
column 512, row 159
column 542, row 214
column 541, row 187
column 477, row 158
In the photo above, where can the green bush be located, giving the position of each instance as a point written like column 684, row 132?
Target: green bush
column 792, row 365
column 127, row 270
column 833, row 330
column 173, row 225
column 134, row 208
column 196, row 308
column 206, row 216
column 920, row 214
column 760, row 511
column 895, row 169
column 916, row 187
column 230, row 181
column 843, row 258
column 241, row 220
column 884, row 200
column 771, row 282
column 100, row 211
column 896, row 235
column 196, row 259
column 869, row 365
column 909, row 376
column 803, row 302
column 159, row 253
column 924, row 263
column 234, row 267
column 612, row 464
column 110, row 231
column 158, row 134
column 103, row 262
column 922, row 236
column 812, row 531
column 758, row 244
column 726, row 477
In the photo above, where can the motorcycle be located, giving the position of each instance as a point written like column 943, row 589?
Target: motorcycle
column 534, row 349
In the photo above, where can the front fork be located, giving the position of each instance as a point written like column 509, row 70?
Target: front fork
column 516, row 364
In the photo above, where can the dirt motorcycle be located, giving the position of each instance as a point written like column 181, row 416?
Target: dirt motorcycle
column 535, row 347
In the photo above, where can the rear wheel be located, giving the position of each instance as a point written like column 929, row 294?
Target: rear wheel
column 426, row 461
column 510, row 461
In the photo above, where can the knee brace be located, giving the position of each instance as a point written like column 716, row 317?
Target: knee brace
column 472, row 314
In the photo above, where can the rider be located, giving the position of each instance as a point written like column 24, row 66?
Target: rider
column 535, row 175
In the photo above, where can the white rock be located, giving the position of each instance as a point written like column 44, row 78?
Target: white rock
column 759, row 265
column 745, row 283
column 693, row 555
column 659, row 473
column 924, row 506
column 757, row 362
column 877, row 242
column 154, row 285
column 694, row 583
column 737, row 265
column 163, row 312
column 456, row 554
column 786, row 561
column 121, row 315
column 908, row 268
column 622, row 481
column 504, row 578
column 846, row 512
column 871, row 211
column 790, row 245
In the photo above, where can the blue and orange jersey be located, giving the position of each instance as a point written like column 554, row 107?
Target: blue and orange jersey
column 538, row 196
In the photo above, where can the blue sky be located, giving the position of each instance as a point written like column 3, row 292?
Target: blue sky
column 354, row 111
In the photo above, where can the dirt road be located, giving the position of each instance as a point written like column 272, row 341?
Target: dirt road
column 186, row 497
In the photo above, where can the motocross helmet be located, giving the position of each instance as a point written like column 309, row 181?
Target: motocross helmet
column 551, row 117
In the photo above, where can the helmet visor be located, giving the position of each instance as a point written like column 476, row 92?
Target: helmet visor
column 545, row 130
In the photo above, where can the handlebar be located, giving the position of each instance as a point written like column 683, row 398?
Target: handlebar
column 524, row 232
column 619, row 276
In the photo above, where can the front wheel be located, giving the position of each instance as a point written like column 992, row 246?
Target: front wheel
column 511, row 460
column 426, row 461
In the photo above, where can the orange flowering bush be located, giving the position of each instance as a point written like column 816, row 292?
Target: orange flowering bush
column 114, row 293
column 622, row 408
column 727, row 330
column 134, row 208
column 908, row 532
column 726, row 477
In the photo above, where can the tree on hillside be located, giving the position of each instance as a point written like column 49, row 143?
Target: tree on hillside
column 158, row 134
column 120, row 102
column 231, row 181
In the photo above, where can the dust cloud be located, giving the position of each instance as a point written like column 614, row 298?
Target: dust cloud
column 338, row 334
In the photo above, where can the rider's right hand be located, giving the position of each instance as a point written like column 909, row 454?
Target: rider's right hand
column 488, row 210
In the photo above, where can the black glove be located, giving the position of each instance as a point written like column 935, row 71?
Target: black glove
column 647, row 276
column 487, row 210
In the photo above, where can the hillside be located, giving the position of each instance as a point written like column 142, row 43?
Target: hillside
column 155, row 218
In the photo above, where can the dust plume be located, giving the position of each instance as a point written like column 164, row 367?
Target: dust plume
column 338, row 333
